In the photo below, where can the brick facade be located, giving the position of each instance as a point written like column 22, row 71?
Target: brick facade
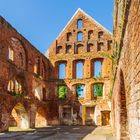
column 67, row 49
column 29, row 81
column 21, row 70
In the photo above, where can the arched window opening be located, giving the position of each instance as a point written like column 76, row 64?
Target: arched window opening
column 39, row 92
column 69, row 36
column 79, row 49
column 18, row 51
column 59, row 49
column 97, row 68
column 109, row 44
column 90, row 34
column 11, row 54
column 90, row 47
column 62, row 70
column 98, row 89
column 19, row 117
column 100, row 34
column 79, row 70
column 80, row 90
column 79, row 36
column 11, row 86
column 37, row 66
column 15, row 88
column 62, row 91
column 68, row 49
column 100, row 46
column 79, row 23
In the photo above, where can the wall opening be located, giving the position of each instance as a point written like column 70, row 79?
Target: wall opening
column 79, row 23
column 79, row 70
column 79, row 36
column 68, row 49
column 90, row 34
column 98, row 89
column 97, row 68
column 100, row 35
column 15, row 88
column 80, row 48
column 40, row 119
column 90, row 47
column 19, row 117
column 80, row 90
column 11, row 54
column 62, row 91
column 62, row 70
column 39, row 92
column 100, row 46
column 123, row 108
column 69, row 35
column 59, row 50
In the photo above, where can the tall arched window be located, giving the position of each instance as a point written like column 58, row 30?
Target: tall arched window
column 11, row 54
column 59, row 49
column 100, row 46
column 79, row 24
column 79, row 36
column 37, row 66
column 97, row 68
column 62, row 91
column 14, row 87
column 69, row 34
column 98, row 89
column 90, row 34
column 79, row 70
column 62, row 71
column 80, row 90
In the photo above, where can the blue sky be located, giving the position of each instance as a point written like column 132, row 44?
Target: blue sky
column 40, row 21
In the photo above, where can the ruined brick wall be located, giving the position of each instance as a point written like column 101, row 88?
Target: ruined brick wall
column 126, row 90
column 67, row 49
column 22, row 69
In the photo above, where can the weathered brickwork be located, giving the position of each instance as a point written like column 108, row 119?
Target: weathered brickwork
column 126, row 89
column 19, row 68
column 66, row 49
column 29, row 81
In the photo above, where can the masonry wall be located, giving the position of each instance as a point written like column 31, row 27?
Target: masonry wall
column 126, row 90
column 70, row 51
column 21, row 69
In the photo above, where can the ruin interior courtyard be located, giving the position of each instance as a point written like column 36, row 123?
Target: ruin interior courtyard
column 88, row 79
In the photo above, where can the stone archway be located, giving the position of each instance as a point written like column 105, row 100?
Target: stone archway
column 123, row 108
column 40, row 119
column 19, row 117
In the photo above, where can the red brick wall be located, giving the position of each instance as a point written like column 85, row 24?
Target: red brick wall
column 13, row 70
column 126, row 91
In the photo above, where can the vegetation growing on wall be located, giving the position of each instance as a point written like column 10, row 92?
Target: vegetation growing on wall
column 62, row 91
column 98, row 90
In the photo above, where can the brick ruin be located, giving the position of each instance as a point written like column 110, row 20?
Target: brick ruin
column 30, row 81
column 126, row 88
column 87, row 76
column 70, row 50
